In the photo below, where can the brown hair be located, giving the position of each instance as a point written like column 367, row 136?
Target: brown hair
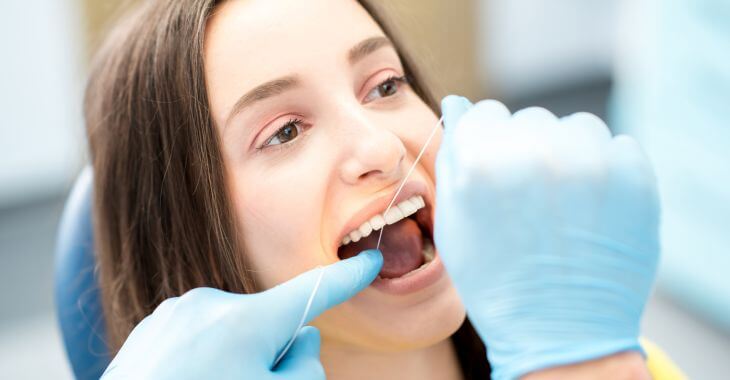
column 163, row 219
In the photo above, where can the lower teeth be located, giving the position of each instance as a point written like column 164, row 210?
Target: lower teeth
column 428, row 252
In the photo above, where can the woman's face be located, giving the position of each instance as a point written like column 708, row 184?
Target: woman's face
column 317, row 133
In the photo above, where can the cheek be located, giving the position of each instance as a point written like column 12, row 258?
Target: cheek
column 280, row 231
column 429, row 156
column 424, row 122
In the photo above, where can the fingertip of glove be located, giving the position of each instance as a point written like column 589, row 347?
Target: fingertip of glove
column 452, row 107
column 372, row 256
column 367, row 264
column 451, row 101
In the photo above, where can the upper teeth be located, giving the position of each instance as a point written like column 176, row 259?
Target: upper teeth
column 394, row 215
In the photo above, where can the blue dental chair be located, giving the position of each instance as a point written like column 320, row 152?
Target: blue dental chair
column 77, row 294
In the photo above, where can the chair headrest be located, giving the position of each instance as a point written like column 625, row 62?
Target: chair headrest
column 78, row 302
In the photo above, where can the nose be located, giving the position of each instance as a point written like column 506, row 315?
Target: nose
column 373, row 152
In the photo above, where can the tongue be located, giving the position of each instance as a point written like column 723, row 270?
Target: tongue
column 402, row 248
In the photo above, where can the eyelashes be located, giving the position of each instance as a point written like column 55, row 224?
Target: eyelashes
column 293, row 129
column 288, row 132
column 386, row 88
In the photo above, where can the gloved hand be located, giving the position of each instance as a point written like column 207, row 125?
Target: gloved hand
column 549, row 230
column 211, row 334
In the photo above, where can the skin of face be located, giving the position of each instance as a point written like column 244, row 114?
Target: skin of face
column 353, row 146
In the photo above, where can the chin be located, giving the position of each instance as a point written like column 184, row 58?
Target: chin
column 381, row 322
column 408, row 324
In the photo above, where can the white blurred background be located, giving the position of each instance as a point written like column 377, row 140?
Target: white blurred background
column 560, row 54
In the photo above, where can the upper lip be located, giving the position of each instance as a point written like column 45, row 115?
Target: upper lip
column 378, row 206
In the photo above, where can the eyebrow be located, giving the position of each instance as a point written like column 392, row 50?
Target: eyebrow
column 366, row 47
column 281, row 85
column 264, row 91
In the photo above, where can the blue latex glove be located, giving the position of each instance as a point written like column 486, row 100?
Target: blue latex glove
column 211, row 334
column 549, row 230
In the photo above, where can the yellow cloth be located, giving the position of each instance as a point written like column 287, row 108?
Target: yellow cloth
column 660, row 365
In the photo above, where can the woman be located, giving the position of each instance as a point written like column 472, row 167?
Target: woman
column 237, row 144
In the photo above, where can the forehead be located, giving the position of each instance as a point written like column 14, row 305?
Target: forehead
column 251, row 41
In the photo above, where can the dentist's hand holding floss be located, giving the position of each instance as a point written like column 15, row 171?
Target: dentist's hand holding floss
column 548, row 229
column 211, row 334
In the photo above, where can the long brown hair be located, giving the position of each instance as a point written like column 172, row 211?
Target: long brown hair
column 163, row 219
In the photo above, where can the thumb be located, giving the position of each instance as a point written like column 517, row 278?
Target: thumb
column 340, row 282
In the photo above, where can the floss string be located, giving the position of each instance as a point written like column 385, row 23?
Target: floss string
column 304, row 317
column 410, row 171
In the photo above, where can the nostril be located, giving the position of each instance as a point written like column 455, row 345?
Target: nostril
column 395, row 170
column 370, row 174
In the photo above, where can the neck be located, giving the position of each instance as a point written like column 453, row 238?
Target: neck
column 342, row 361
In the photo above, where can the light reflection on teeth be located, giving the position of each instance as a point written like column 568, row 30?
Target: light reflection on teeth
column 355, row 236
column 366, row 229
column 377, row 222
column 395, row 214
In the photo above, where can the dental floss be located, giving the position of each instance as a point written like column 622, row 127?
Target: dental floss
column 304, row 317
column 410, row 171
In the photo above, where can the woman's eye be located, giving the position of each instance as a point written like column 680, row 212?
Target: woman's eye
column 387, row 88
column 285, row 134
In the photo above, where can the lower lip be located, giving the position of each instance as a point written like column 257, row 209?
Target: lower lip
column 412, row 282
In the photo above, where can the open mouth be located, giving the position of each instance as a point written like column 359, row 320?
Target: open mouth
column 407, row 243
